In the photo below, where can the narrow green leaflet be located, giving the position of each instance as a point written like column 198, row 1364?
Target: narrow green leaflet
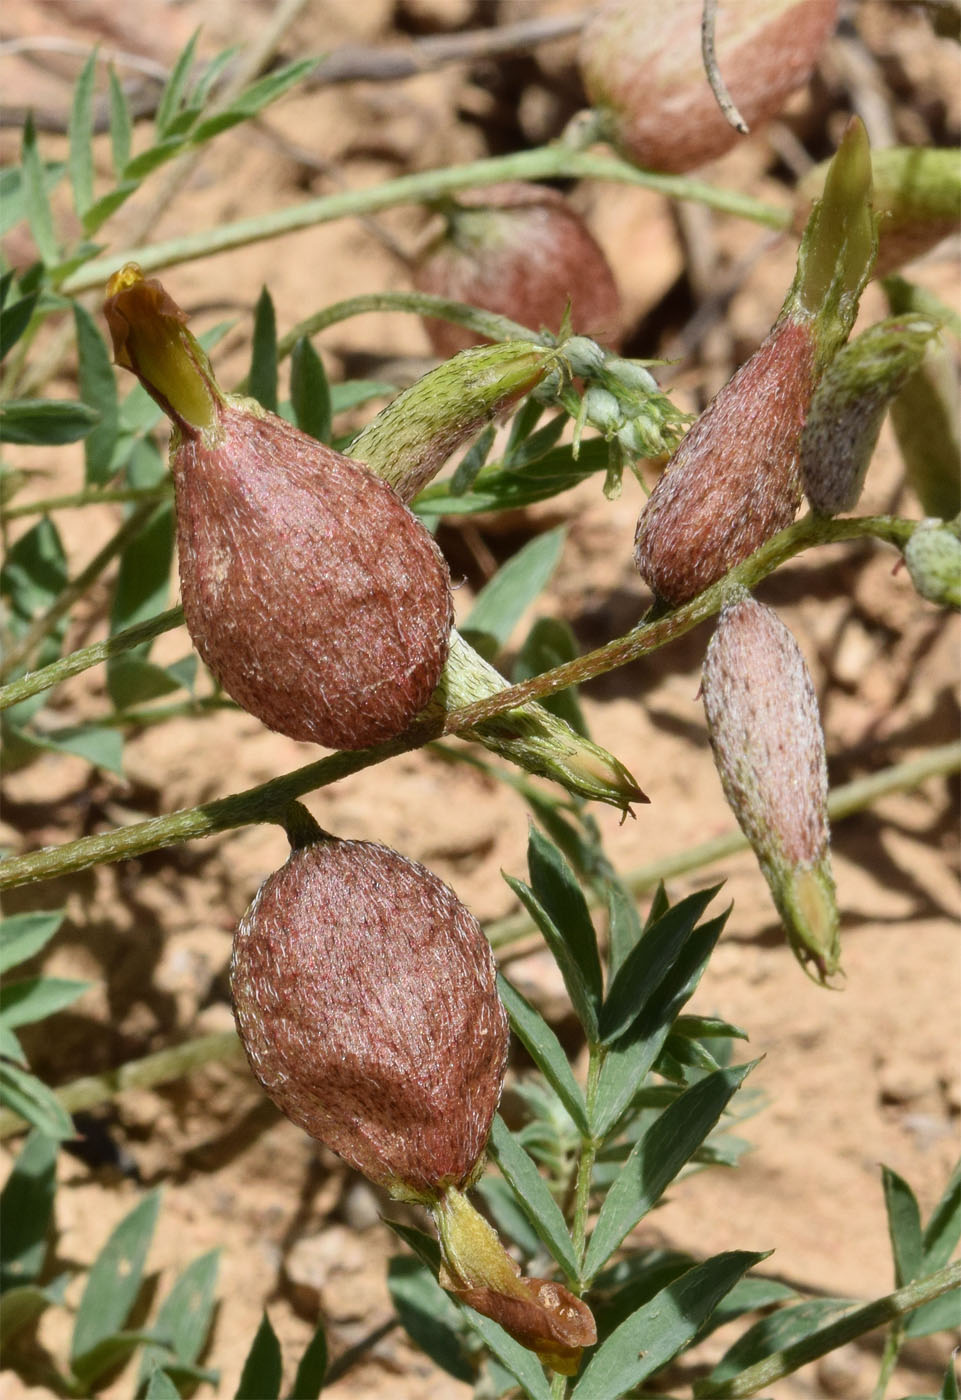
column 26, row 1205
column 780, row 1329
column 654, row 1334
column 904, row 1227
column 624, row 927
column 101, row 209
column 36, row 205
column 309, row 1380
column 23, row 935
column 545, row 1050
column 142, row 588
column 940, row 1315
column 645, row 967
column 262, row 382
column 14, row 321
column 99, row 745
column 631, row 1056
column 263, row 1369
column 516, row 584
column 531, row 1190
column 13, row 191
column 550, row 643
column 522, row 1364
column 25, row 1094
column 98, row 390
column 656, row 1159
column 357, row 392
column 424, row 1246
column 161, row 1387
column 172, row 96
column 80, row 160
column 121, row 126
column 499, row 488
column 185, row 1315
column 310, row 391
column 428, row 1316
column 943, row 1230
column 473, row 459
column 254, row 98
column 537, row 445
column 114, row 1279
column 708, row 1028
column 211, row 72
column 22, row 1305
column 107, row 1355
column 559, row 894
column 507, row 1215
column 141, row 165
column 46, row 422
column 30, row 999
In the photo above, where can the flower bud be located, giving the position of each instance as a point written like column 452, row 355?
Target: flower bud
column 411, row 439
column 642, row 68
column 933, row 557
column 318, row 601
column 735, row 480
column 522, row 251
column 765, row 730
column 917, row 193
column 365, row 996
column 848, row 407
column 542, row 1315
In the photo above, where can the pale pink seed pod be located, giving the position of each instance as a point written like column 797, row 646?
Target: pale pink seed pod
column 642, row 68
column 519, row 250
column 365, row 996
column 735, row 479
column 768, row 743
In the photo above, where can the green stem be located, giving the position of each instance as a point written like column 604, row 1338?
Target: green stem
column 544, row 163
column 846, row 1329
column 889, row 1359
column 842, row 803
column 158, row 1068
column 585, row 1166
column 45, row 623
column 261, row 803
column 48, row 676
column 93, row 496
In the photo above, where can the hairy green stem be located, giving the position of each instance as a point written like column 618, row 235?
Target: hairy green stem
column 74, row 590
column 77, row 661
column 543, row 163
column 262, row 803
column 501, row 933
column 92, row 496
column 846, row 1329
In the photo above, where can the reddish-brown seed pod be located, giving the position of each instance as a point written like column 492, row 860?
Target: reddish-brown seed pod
column 316, row 598
column 735, row 479
column 365, row 996
column 519, row 250
column 319, row 602
column 642, row 68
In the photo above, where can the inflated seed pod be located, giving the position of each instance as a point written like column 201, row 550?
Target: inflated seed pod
column 735, row 480
column 522, row 251
column 642, row 68
column 365, row 996
column 319, row 602
column 765, row 728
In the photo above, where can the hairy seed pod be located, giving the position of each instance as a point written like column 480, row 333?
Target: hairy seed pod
column 735, row 480
column 642, row 68
column 522, row 251
column 364, row 993
column 765, row 729
column 319, row 602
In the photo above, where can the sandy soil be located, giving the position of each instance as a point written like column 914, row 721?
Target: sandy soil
column 852, row 1079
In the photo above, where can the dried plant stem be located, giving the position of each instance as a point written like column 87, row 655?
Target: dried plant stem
column 846, row 1329
column 718, row 86
column 181, row 1059
column 74, row 590
column 264, row 802
column 545, row 162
